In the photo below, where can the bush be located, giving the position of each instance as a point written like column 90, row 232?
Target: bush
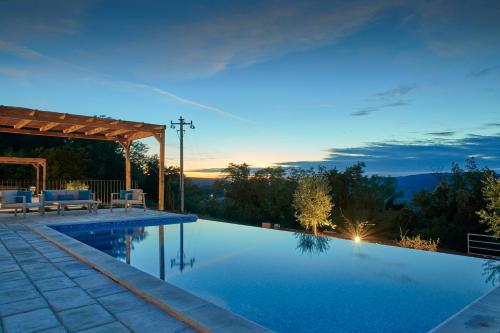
column 417, row 243
column 312, row 202
column 491, row 215
column 76, row 185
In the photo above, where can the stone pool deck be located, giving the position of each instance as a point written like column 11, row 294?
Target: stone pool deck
column 50, row 282
column 482, row 316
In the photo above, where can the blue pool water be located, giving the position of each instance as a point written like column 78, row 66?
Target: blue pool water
column 300, row 283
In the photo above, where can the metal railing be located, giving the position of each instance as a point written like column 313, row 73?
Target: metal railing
column 484, row 245
column 101, row 188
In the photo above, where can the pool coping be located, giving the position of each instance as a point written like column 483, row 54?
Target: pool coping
column 182, row 305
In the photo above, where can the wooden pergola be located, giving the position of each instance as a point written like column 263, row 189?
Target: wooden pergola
column 37, row 163
column 63, row 125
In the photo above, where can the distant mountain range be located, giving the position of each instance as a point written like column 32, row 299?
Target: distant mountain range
column 407, row 184
column 414, row 183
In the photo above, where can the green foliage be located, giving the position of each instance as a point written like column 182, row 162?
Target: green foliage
column 449, row 211
column 312, row 202
column 250, row 198
column 491, row 214
column 418, row 243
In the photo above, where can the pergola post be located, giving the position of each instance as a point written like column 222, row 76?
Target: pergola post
column 44, row 175
column 161, row 171
column 128, row 179
column 37, row 167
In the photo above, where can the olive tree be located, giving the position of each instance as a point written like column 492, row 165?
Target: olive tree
column 491, row 215
column 312, row 202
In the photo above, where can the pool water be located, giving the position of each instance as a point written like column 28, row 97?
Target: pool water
column 292, row 282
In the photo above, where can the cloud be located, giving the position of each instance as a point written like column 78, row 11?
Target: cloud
column 266, row 30
column 22, row 21
column 482, row 72
column 106, row 79
column 370, row 109
column 190, row 102
column 403, row 158
column 396, row 92
column 395, row 104
column 448, row 133
column 17, row 50
column 11, row 71
column 450, row 28
column 202, row 40
column 361, row 113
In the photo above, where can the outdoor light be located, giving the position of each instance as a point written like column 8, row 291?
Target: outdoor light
column 357, row 239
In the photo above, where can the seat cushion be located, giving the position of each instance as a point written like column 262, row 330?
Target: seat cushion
column 49, row 196
column 8, row 196
column 129, row 195
column 63, row 197
column 83, row 195
column 26, row 194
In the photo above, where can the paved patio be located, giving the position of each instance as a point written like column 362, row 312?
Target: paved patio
column 43, row 289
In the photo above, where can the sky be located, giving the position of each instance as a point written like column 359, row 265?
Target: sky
column 407, row 87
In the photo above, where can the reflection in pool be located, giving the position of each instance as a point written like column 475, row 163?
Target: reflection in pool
column 301, row 283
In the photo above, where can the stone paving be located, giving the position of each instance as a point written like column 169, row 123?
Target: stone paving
column 43, row 289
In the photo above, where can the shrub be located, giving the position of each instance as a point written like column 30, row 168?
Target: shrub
column 76, row 185
column 417, row 243
column 491, row 215
column 312, row 202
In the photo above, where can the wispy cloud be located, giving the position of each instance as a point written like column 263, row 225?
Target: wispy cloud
column 11, row 71
column 26, row 52
column 482, row 72
column 190, row 102
column 396, row 92
column 18, row 50
column 446, row 133
column 365, row 111
column 361, row 113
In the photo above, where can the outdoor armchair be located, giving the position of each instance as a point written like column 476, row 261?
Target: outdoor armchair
column 128, row 198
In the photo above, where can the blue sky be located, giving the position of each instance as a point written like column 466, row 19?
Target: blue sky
column 407, row 87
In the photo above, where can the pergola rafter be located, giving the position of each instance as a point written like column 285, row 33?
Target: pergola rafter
column 44, row 123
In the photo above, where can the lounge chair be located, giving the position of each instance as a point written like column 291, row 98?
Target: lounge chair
column 128, row 198
column 64, row 198
column 15, row 199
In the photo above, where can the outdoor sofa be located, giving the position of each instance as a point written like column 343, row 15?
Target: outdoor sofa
column 64, row 198
column 16, row 199
column 128, row 198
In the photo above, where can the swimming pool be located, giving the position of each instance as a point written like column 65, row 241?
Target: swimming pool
column 294, row 282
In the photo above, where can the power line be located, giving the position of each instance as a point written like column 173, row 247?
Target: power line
column 181, row 131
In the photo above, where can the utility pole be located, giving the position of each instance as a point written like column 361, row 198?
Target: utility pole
column 181, row 131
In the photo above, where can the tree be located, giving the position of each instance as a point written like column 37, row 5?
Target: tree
column 312, row 202
column 491, row 214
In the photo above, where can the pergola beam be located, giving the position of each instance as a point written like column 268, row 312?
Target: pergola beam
column 66, row 119
column 73, row 128
column 55, row 134
column 48, row 127
column 96, row 130
column 22, row 123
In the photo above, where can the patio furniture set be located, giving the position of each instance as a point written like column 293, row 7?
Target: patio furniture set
column 61, row 199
